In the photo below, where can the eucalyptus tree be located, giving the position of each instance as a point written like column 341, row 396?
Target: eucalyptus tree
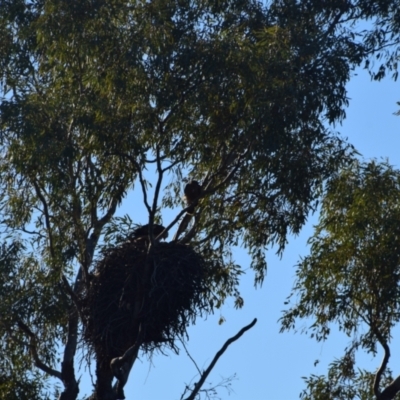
column 352, row 278
column 232, row 94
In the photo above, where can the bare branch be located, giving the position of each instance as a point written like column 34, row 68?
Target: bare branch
column 175, row 220
column 33, row 351
column 156, row 193
column 213, row 233
column 32, row 233
column 67, row 366
column 192, row 359
column 192, row 232
column 390, row 391
column 46, row 216
column 204, row 375
column 184, row 224
column 143, row 186
column 71, row 293
column 121, row 366
column 97, row 228
column 172, row 165
column 383, row 366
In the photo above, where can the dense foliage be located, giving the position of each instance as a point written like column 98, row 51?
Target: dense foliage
column 352, row 278
column 95, row 93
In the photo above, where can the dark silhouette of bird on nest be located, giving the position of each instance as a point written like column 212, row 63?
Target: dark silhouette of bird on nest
column 142, row 232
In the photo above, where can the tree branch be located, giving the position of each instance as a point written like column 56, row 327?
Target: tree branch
column 172, row 165
column 383, row 366
column 156, row 192
column 203, row 376
column 184, row 223
column 207, row 183
column 191, row 358
column 97, row 228
column 391, row 390
column 192, row 231
column 175, row 220
column 121, row 366
column 33, row 350
column 71, row 293
column 143, row 186
column 67, row 365
column 46, row 216
column 227, row 163
column 336, row 21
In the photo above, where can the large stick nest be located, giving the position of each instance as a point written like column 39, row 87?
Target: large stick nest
column 163, row 289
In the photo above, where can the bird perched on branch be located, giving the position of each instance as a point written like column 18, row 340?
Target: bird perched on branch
column 192, row 193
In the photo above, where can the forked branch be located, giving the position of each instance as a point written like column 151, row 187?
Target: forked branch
column 394, row 387
column 383, row 366
column 205, row 374
column 121, row 366
column 33, row 350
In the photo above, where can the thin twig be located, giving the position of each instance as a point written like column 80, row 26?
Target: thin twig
column 203, row 377
column 227, row 178
column 172, row 165
column 192, row 359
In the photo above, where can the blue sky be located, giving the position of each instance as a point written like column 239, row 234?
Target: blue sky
column 267, row 364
